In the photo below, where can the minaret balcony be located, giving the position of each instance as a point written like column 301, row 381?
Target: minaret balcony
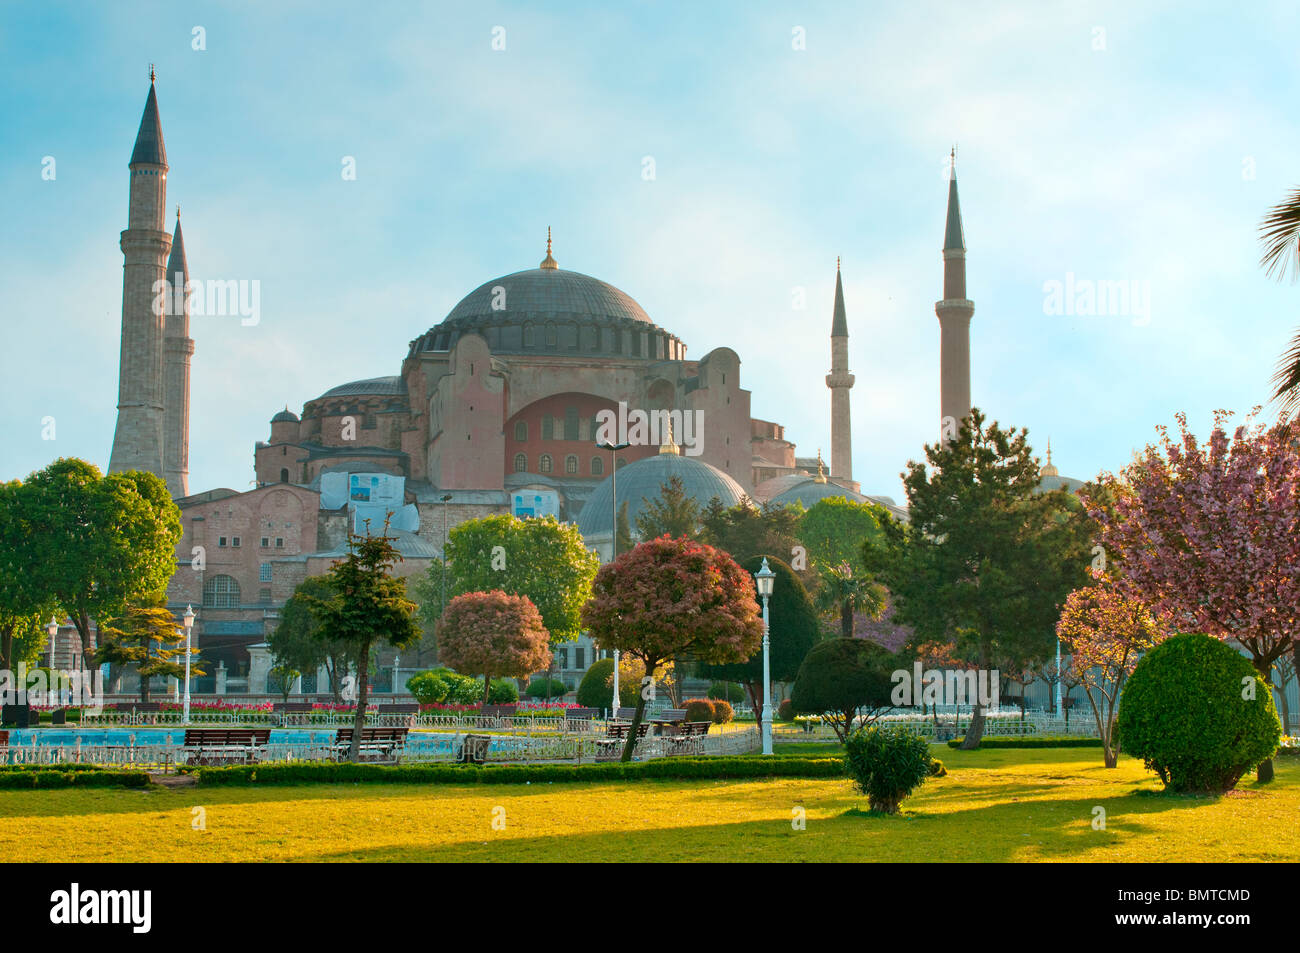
column 839, row 379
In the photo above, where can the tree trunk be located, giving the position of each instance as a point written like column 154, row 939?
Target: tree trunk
column 630, row 745
column 846, row 619
column 363, row 698
column 82, row 621
column 975, row 731
column 1264, row 772
column 7, row 649
column 487, row 688
column 1295, row 654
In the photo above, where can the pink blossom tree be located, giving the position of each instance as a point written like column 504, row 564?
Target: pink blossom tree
column 1105, row 634
column 494, row 633
column 671, row 597
column 1208, row 535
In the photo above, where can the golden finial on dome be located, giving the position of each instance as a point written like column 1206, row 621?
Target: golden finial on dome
column 821, row 469
column 669, row 446
column 548, row 262
column 1050, row 470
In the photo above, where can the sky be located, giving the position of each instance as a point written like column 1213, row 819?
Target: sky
column 1096, row 142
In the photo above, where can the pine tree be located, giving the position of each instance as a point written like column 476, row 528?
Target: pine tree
column 672, row 513
column 148, row 637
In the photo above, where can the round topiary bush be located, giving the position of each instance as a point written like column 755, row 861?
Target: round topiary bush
column 543, row 687
column 1198, row 714
column 727, row 691
column 785, row 710
column 699, row 709
column 722, row 711
column 887, row 763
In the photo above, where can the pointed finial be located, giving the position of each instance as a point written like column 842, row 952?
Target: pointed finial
column 821, row 469
column 548, row 262
column 1049, row 470
column 1049, row 451
column 178, row 213
column 837, row 262
column 152, row 74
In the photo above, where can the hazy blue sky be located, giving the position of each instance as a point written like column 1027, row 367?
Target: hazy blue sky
column 1150, row 159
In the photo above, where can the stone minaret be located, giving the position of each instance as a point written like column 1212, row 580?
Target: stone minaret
column 176, row 371
column 954, row 313
column 138, row 440
column 839, row 380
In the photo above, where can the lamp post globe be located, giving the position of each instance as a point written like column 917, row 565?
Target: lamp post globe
column 763, row 580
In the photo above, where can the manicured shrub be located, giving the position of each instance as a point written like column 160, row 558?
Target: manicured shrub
column 1198, row 714
column 888, row 763
column 785, row 710
column 329, row 772
column 66, row 776
column 442, row 686
column 727, row 691
column 502, row 691
column 543, row 687
column 699, row 709
column 1034, row 741
column 596, row 689
column 722, row 711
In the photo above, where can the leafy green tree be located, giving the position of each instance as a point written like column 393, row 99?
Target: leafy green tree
column 296, row 642
column 147, row 638
column 672, row 597
column 792, row 631
column 540, row 558
column 834, row 529
column 283, row 675
column 987, row 561
column 746, row 530
column 842, row 679
column 99, row 543
column 366, row 605
column 672, row 513
column 24, row 609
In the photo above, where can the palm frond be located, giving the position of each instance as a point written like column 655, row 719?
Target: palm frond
column 1286, row 380
column 1280, row 235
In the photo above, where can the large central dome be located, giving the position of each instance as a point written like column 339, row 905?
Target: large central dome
column 544, row 294
column 552, row 311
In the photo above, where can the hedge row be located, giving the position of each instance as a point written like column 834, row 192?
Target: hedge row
column 58, row 778
column 326, row 772
column 1035, row 741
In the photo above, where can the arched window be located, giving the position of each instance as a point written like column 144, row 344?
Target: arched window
column 220, row 592
column 597, row 466
column 570, row 423
column 530, row 336
column 284, row 475
column 521, row 463
column 544, row 464
column 548, row 427
column 551, row 337
column 571, row 464
column 521, row 431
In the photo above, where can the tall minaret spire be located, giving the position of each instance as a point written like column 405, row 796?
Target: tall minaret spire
column 138, row 439
column 840, row 381
column 954, row 311
column 178, row 348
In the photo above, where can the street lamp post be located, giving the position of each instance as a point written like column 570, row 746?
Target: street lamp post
column 189, row 629
column 1058, row 676
column 763, row 579
column 52, row 627
column 614, row 448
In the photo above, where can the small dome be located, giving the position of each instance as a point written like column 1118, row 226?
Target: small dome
column 642, row 480
column 810, row 490
column 285, row 416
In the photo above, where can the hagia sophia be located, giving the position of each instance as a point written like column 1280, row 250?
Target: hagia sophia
column 495, row 409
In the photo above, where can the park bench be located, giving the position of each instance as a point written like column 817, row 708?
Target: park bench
column 214, row 746
column 149, row 709
column 377, row 744
column 295, row 709
column 491, row 716
column 474, row 749
column 20, row 716
column 688, row 738
column 578, row 718
column 669, row 720
column 624, row 714
column 403, row 713
column 615, row 736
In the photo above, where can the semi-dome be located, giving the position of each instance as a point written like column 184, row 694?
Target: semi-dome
column 285, row 416
column 380, row 386
column 643, row 480
column 809, row 490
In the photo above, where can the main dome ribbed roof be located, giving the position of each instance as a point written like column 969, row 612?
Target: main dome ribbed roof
column 542, row 294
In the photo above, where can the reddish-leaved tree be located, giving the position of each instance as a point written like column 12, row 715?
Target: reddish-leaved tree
column 494, row 633
column 1208, row 535
column 668, row 597
column 1105, row 634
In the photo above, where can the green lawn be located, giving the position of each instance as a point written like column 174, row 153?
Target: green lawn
column 997, row 805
